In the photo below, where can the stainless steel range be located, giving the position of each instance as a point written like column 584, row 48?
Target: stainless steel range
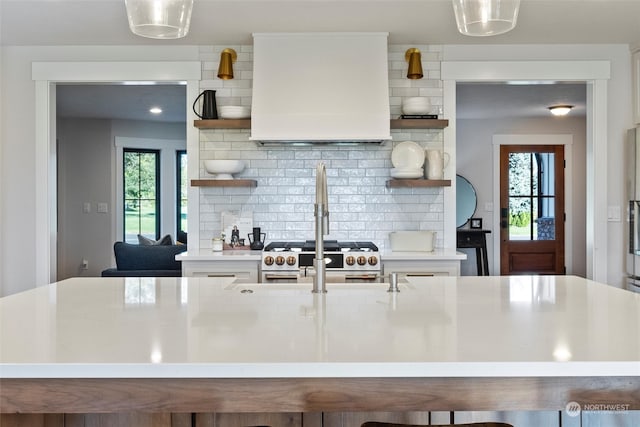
column 345, row 261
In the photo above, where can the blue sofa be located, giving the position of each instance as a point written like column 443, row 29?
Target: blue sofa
column 145, row 260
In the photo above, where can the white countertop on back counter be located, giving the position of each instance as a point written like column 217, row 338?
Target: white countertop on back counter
column 491, row 326
column 248, row 255
column 435, row 255
column 226, row 255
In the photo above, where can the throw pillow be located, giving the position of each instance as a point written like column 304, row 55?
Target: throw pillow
column 165, row 240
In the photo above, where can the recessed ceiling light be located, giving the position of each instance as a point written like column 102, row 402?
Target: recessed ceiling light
column 155, row 110
column 560, row 110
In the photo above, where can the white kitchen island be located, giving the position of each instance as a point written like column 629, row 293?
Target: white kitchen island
column 182, row 345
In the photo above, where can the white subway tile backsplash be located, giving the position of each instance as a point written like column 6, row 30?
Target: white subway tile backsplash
column 361, row 206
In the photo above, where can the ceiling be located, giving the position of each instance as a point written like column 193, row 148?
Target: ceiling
column 104, row 22
column 220, row 22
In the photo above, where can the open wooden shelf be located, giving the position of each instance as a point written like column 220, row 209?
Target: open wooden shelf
column 223, row 124
column 224, row 183
column 419, row 124
column 416, row 183
column 395, row 124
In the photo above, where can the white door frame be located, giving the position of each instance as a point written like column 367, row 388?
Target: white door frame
column 46, row 75
column 564, row 140
column 595, row 74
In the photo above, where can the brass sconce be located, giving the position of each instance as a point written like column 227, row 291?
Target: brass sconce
column 414, row 58
column 225, row 69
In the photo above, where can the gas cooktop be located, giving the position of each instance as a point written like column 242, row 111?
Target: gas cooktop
column 329, row 246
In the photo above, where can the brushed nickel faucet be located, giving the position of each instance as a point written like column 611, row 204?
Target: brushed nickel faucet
column 321, row 214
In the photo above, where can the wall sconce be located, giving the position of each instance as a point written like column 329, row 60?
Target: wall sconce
column 225, row 69
column 414, row 58
column 560, row 110
column 159, row 19
column 485, row 17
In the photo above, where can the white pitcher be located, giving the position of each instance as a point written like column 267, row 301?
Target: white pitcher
column 436, row 162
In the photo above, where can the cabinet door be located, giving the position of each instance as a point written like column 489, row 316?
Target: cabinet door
column 635, row 75
column 240, row 271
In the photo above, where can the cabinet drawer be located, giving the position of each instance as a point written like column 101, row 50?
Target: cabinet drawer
column 469, row 239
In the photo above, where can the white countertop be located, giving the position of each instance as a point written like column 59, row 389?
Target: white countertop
column 226, row 255
column 436, row 255
column 248, row 255
column 209, row 328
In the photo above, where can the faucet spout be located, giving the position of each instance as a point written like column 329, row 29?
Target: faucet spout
column 321, row 214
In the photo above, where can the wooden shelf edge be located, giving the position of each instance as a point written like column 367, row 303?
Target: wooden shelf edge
column 395, row 124
column 419, row 123
column 417, row 183
column 224, row 183
column 223, row 124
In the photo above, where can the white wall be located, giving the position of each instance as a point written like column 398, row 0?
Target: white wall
column 18, row 143
column 86, row 156
column 619, row 117
column 475, row 162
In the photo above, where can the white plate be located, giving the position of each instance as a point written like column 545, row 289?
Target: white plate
column 407, row 155
column 404, row 175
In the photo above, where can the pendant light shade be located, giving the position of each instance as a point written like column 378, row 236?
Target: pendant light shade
column 159, row 19
column 485, row 17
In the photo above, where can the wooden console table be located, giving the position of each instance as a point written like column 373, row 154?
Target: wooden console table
column 474, row 238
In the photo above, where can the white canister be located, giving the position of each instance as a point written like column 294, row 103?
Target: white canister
column 216, row 244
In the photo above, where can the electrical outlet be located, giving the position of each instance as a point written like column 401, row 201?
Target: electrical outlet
column 85, row 264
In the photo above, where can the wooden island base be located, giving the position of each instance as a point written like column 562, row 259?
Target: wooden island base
column 288, row 402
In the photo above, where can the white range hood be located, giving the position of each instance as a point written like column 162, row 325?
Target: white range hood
column 320, row 88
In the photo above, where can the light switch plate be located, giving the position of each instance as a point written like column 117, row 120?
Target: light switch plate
column 613, row 213
column 488, row 206
column 86, row 207
column 102, row 208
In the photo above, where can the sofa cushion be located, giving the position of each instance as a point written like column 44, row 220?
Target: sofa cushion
column 147, row 257
column 164, row 240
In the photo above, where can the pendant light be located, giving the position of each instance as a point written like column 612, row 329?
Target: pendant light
column 485, row 17
column 159, row 19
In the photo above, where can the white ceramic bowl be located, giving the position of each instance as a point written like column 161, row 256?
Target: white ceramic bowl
column 224, row 169
column 234, row 112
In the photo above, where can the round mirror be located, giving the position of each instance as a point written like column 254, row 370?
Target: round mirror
column 466, row 200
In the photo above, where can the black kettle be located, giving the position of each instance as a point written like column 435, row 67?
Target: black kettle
column 209, row 108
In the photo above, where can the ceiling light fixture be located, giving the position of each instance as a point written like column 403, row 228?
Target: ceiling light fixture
column 560, row 110
column 225, row 69
column 159, row 19
column 414, row 58
column 485, row 17
column 155, row 110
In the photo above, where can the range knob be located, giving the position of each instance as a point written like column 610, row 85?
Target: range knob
column 268, row 260
column 373, row 260
column 362, row 260
column 279, row 260
column 350, row 260
column 291, row 260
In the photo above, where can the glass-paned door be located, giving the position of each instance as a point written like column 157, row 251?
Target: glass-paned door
column 141, row 172
column 532, row 209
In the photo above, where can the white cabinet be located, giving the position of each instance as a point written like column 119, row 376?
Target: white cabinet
column 635, row 76
column 243, row 266
column 420, row 268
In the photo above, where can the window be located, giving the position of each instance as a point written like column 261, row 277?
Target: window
column 181, row 196
column 141, row 183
